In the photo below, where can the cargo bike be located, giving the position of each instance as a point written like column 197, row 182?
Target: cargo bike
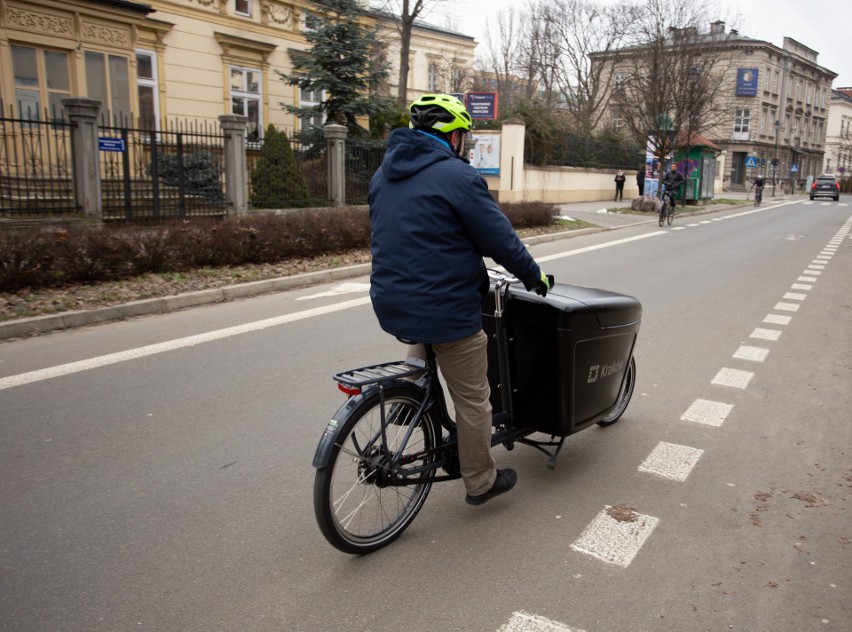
column 556, row 365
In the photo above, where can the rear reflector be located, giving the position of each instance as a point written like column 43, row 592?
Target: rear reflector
column 349, row 390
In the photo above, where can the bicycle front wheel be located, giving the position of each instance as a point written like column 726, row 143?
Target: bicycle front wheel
column 663, row 213
column 362, row 501
column 670, row 216
column 624, row 396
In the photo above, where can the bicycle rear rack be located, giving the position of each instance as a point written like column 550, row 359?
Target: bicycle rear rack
column 356, row 379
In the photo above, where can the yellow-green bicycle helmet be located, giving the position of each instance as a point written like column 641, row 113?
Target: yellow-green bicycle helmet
column 439, row 112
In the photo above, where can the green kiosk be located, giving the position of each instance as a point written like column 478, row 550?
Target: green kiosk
column 700, row 155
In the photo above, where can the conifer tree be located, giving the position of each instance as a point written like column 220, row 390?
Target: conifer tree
column 276, row 181
column 340, row 62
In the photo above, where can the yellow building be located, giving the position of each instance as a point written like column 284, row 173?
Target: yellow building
column 187, row 59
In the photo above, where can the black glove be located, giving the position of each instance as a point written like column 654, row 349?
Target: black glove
column 543, row 284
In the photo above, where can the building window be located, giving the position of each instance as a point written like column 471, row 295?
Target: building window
column 432, row 82
column 242, row 7
column 246, row 99
column 457, row 79
column 618, row 81
column 107, row 79
column 308, row 99
column 764, row 119
column 617, row 120
column 42, row 80
column 146, row 87
column 742, row 123
column 775, row 83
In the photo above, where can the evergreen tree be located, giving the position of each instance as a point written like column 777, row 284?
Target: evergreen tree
column 341, row 62
column 276, row 181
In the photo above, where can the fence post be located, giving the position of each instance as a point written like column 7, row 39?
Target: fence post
column 236, row 168
column 512, row 161
column 83, row 115
column 335, row 136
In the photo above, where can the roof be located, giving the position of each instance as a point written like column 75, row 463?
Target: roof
column 697, row 140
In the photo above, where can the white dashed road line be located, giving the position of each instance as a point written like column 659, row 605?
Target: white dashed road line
column 671, row 461
column 705, row 411
column 616, row 535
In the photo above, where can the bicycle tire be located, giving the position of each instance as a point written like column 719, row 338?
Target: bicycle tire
column 354, row 511
column 670, row 216
column 663, row 212
column 624, row 396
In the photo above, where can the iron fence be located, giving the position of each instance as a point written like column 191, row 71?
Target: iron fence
column 363, row 158
column 35, row 164
column 287, row 171
column 174, row 172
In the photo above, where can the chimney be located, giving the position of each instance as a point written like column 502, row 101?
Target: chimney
column 717, row 27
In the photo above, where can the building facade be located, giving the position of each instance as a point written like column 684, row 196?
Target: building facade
column 775, row 101
column 838, row 142
column 185, row 59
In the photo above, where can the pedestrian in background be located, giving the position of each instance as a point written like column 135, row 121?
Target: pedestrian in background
column 640, row 180
column 619, row 185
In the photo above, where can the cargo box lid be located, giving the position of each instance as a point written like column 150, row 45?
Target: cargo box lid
column 610, row 309
column 571, row 308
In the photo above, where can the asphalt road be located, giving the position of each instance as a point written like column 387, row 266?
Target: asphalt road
column 155, row 473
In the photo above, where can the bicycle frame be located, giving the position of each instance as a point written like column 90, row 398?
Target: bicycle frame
column 429, row 392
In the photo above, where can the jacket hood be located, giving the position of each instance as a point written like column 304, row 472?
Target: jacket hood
column 410, row 151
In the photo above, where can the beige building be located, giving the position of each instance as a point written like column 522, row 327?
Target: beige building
column 838, row 142
column 186, row 59
column 775, row 101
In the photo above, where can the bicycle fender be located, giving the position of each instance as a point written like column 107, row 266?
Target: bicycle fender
column 335, row 426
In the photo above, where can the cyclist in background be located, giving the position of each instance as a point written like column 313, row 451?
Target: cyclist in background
column 758, row 189
column 672, row 181
column 433, row 219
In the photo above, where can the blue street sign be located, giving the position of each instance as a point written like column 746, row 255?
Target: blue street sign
column 110, row 144
column 751, row 162
column 794, row 168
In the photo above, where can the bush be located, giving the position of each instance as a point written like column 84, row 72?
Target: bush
column 202, row 176
column 276, row 181
column 88, row 254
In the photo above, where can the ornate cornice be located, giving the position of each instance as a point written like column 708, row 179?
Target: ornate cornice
column 37, row 22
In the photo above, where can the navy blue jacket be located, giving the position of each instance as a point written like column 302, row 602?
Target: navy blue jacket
column 433, row 220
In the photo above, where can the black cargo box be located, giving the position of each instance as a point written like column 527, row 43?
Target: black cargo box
column 568, row 353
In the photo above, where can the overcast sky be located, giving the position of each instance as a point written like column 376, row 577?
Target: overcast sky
column 820, row 25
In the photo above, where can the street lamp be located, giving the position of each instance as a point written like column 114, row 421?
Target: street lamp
column 775, row 159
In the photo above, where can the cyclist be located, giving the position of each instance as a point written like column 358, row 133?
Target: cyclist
column 672, row 181
column 758, row 189
column 433, row 220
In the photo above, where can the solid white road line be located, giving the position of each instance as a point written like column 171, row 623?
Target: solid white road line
column 171, row 345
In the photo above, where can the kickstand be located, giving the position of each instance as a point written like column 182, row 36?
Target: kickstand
column 551, row 463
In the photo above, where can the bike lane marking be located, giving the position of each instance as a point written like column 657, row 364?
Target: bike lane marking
column 525, row 622
column 171, row 345
column 616, row 535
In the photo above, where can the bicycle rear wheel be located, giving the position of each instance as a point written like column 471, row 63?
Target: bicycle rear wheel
column 357, row 508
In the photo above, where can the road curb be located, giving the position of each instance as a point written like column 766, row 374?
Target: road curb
column 23, row 327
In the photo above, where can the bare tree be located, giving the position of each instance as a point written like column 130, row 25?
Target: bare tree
column 502, row 66
column 666, row 83
column 406, row 12
column 570, row 31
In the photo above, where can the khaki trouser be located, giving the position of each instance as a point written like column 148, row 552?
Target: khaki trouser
column 464, row 365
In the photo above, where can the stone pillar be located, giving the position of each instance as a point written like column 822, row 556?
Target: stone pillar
column 83, row 115
column 335, row 137
column 234, row 128
column 512, row 161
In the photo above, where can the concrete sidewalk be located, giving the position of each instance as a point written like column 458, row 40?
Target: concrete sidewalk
column 593, row 212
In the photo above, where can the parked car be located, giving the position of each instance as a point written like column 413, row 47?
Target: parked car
column 825, row 186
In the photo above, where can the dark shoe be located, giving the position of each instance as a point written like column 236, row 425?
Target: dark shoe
column 505, row 481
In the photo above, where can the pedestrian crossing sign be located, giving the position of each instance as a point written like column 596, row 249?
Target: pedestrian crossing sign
column 751, row 162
